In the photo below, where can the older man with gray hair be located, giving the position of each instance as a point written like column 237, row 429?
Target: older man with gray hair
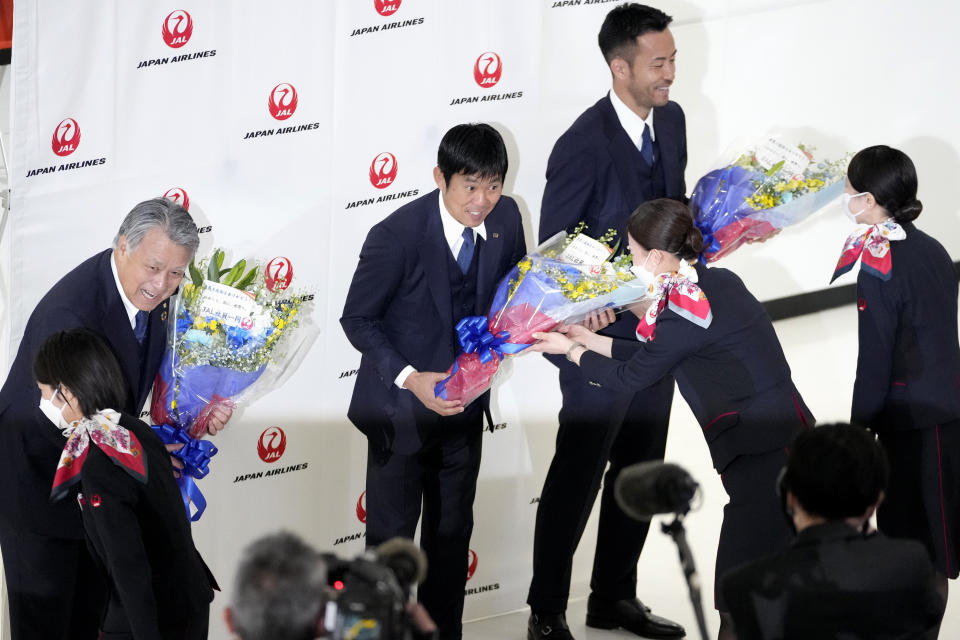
column 55, row 591
column 279, row 592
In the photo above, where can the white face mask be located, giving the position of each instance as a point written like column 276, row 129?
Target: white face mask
column 845, row 199
column 53, row 412
column 644, row 277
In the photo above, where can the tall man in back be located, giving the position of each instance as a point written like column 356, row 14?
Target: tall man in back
column 423, row 268
column 628, row 148
column 55, row 590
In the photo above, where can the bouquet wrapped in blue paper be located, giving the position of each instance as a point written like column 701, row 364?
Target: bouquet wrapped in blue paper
column 235, row 334
column 563, row 280
column 769, row 186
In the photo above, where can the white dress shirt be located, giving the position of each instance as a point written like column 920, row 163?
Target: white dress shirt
column 631, row 122
column 131, row 310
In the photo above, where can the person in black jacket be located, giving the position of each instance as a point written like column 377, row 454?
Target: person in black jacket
column 131, row 507
column 907, row 388
column 707, row 330
column 838, row 579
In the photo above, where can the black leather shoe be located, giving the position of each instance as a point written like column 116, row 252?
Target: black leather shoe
column 551, row 626
column 631, row 615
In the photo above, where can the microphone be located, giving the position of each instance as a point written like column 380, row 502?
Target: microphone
column 646, row 489
column 405, row 559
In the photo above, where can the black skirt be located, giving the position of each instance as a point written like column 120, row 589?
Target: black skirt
column 754, row 524
column 923, row 497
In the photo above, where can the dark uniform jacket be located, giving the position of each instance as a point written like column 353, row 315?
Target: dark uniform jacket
column 908, row 367
column 141, row 536
column 732, row 374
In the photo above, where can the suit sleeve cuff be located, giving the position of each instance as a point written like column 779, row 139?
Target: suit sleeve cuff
column 402, row 376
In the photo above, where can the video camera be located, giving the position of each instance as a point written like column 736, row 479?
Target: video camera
column 372, row 592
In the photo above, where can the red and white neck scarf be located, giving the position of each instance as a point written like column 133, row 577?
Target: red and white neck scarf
column 876, row 239
column 103, row 429
column 677, row 291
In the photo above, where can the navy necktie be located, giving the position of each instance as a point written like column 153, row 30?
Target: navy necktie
column 140, row 329
column 466, row 251
column 646, row 150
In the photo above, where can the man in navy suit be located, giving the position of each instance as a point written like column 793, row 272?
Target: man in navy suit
column 422, row 269
column 54, row 589
column 628, row 148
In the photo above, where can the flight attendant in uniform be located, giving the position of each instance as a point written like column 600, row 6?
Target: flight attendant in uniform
column 907, row 387
column 705, row 328
column 130, row 504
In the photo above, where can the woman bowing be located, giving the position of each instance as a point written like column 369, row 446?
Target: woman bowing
column 705, row 328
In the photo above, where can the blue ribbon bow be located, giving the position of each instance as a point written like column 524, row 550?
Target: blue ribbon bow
column 474, row 335
column 195, row 456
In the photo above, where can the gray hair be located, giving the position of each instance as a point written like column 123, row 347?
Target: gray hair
column 279, row 590
column 160, row 213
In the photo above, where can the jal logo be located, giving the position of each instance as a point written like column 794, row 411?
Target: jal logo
column 487, row 70
column 386, row 7
column 362, row 508
column 66, row 137
column 383, row 170
column 278, row 274
column 471, row 563
column 271, row 445
column 177, row 29
column 282, row 101
column 179, row 196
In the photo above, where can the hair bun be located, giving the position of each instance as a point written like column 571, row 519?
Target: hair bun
column 692, row 244
column 909, row 211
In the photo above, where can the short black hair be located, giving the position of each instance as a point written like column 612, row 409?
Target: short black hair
column 80, row 360
column 836, row 471
column 472, row 149
column 624, row 24
column 890, row 176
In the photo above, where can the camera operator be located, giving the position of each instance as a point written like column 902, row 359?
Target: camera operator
column 283, row 592
column 838, row 579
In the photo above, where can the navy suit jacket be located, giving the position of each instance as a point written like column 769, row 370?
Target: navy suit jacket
column 399, row 312
column 30, row 445
column 592, row 176
column 592, row 171
column 908, row 368
column 140, row 535
column 834, row 582
column 732, row 374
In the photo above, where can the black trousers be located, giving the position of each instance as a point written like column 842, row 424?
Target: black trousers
column 56, row 591
column 442, row 477
column 597, row 426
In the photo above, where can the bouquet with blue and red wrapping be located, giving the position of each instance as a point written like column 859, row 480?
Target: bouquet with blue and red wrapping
column 770, row 186
column 563, row 280
column 234, row 334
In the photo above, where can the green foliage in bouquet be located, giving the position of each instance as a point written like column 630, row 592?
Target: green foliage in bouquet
column 576, row 285
column 777, row 187
column 205, row 340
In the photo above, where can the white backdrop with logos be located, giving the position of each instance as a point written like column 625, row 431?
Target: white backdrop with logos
column 293, row 127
